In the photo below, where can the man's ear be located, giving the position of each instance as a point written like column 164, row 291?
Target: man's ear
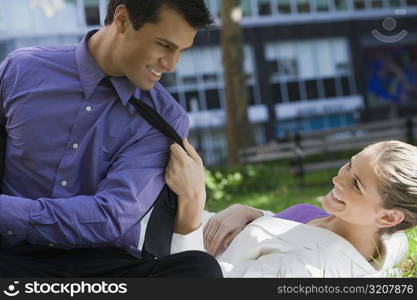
column 389, row 218
column 121, row 18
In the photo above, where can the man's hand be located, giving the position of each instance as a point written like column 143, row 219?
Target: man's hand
column 222, row 228
column 185, row 176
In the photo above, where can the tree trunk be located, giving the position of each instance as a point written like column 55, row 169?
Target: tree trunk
column 239, row 133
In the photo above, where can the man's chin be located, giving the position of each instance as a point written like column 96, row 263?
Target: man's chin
column 144, row 85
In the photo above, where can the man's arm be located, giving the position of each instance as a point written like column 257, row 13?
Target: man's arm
column 123, row 197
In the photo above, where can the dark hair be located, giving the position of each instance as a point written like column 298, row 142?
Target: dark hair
column 140, row 12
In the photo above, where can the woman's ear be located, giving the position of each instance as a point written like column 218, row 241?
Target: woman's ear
column 389, row 218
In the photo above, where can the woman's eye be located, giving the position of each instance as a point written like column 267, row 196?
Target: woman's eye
column 355, row 185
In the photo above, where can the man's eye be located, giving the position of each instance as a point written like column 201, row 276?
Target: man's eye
column 349, row 165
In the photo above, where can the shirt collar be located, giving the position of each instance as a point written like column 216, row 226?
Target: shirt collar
column 91, row 74
column 125, row 89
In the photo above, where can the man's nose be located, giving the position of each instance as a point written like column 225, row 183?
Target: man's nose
column 169, row 63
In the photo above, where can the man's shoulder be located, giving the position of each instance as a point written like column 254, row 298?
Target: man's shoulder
column 170, row 109
column 165, row 103
column 31, row 55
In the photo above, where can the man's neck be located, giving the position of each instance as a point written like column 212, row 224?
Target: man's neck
column 100, row 47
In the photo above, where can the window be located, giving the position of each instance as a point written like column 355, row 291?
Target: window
column 2, row 19
column 309, row 69
column 213, row 99
column 284, row 6
column 303, row 6
column 322, row 5
column 192, row 101
column 312, row 89
column 359, row 4
column 276, row 93
column 377, row 3
column 324, row 62
column 341, row 61
column 287, row 67
column 293, row 91
column 246, row 8
column 92, row 12
column 341, row 4
column 346, row 89
column 329, row 87
column 394, row 3
column 214, row 6
column 170, row 79
column 251, row 96
column 317, row 123
column 175, row 96
column 285, row 56
column 264, row 7
column 3, row 51
column 198, row 78
column 334, row 121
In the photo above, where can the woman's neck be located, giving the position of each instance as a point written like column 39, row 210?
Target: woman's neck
column 365, row 239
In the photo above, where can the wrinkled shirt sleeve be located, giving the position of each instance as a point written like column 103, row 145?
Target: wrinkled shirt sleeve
column 124, row 196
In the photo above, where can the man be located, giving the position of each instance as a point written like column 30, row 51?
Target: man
column 81, row 167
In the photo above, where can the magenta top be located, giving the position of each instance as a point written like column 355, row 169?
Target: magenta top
column 301, row 213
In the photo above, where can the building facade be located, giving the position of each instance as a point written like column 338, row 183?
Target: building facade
column 310, row 64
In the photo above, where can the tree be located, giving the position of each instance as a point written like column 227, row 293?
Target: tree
column 239, row 134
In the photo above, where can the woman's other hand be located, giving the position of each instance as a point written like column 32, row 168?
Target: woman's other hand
column 222, row 228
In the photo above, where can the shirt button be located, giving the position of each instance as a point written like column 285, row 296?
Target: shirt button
column 88, row 108
column 10, row 232
column 64, row 183
column 75, row 146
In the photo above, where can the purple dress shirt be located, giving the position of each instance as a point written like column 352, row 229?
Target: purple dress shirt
column 82, row 167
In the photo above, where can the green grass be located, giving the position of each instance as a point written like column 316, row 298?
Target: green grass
column 270, row 186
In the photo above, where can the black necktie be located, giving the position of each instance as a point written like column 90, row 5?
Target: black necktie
column 161, row 223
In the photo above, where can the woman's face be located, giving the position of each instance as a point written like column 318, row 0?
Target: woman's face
column 354, row 197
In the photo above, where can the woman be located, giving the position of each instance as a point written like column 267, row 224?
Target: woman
column 374, row 196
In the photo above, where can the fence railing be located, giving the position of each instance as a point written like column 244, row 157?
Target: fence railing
column 334, row 140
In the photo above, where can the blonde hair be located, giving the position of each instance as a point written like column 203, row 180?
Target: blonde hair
column 396, row 170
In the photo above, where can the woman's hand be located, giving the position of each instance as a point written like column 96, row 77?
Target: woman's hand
column 222, row 228
column 185, row 176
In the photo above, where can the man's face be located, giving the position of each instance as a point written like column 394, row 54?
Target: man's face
column 144, row 55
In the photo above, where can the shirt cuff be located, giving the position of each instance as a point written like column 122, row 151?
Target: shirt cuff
column 14, row 216
column 188, row 242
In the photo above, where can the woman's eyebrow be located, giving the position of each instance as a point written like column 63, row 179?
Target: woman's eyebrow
column 356, row 176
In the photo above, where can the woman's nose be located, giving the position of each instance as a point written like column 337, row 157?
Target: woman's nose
column 337, row 181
